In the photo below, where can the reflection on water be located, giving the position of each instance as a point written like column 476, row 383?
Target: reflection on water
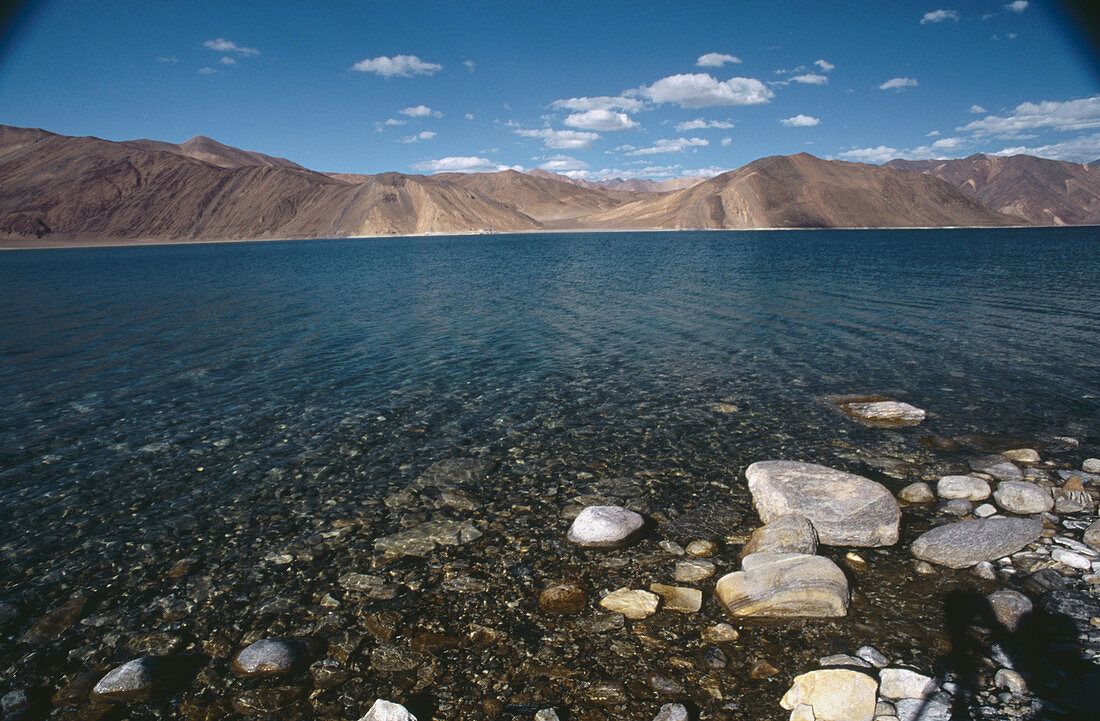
column 216, row 404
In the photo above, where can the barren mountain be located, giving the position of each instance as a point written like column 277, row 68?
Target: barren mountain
column 635, row 185
column 211, row 151
column 86, row 187
column 543, row 198
column 801, row 191
column 1044, row 192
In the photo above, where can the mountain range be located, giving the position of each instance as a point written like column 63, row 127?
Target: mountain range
column 56, row 189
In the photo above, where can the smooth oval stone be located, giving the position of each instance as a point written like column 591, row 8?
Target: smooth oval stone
column 266, row 657
column 998, row 467
column 1011, row 608
column 132, row 681
column 632, row 603
column 1022, row 455
column 966, row 543
column 834, row 694
column 783, row 585
column 845, row 509
column 786, row 534
column 968, row 487
column 1091, row 465
column 1091, row 536
column 678, row 598
column 694, row 570
column 918, row 492
column 604, row 526
column 383, row 710
column 1023, row 497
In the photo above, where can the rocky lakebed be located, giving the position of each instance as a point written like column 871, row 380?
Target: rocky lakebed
column 951, row 578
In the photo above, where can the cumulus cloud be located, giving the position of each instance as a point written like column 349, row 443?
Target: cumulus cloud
column 399, row 66
column 1017, row 7
column 167, row 59
column 469, row 116
column 1083, row 149
column 423, row 135
column 700, row 90
column 700, row 124
column 470, row 65
column 562, row 139
column 811, row 79
column 600, row 102
column 898, row 84
column 716, row 60
column 228, row 46
column 800, row 121
column 228, row 61
column 1082, row 114
column 726, row 142
column 976, row 109
column 880, row 154
column 605, row 120
column 824, row 65
column 420, row 111
column 207, row 71
column 673, row 145
column 938, row 16
column 943, row 148
column 462, row 164
column 563, row 163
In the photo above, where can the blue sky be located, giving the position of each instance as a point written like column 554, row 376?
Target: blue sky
column 593, row 89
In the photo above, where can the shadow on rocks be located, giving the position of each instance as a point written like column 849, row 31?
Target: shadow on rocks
column 1043, row 648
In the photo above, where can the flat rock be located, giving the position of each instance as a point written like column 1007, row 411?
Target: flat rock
column 781, row 585
column 966, row 543
column 968, row 487
column 833, row 694
column 791, row 533
column 1023, row 498
column 998, row 467
column 632, row 603
column 563, row 599
column 672, row 712
column 132, row 681
column 678, row 598
column 955, row 507
column 693, row 570
column 919, row 492
column 879, row 411
column 714, row 521
column 267, row 657
column 915, row 709
column 383, row 710
column 845, row 509
column 604, row 526
column 720, row 633
column 1091, row 465
column 422, row 540
column 895, row 683
column 1022, row 455
column 370, row 586
column 455, row 472
column 1091, row 536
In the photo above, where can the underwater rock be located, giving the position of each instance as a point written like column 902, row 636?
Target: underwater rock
column 267, row 657
column 603, row 526
column 132, row 681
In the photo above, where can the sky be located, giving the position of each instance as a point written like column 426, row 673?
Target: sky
column 590, row 89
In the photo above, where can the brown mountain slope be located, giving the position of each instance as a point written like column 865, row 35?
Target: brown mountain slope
column 211, row 151
column 1044, row 192
column 86, row 187
column 542, row 198
column 801, row 191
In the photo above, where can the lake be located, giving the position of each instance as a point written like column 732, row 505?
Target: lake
column 203, row 439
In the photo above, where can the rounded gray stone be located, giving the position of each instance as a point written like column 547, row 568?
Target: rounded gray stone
column 1010, row 608
column 1023, row 498
column 266, row 657
column 604, row 526
column 382, row 710
column 132, row 681
column 966, row 543
column 919, row 492
column 968, row 487
column 998, row 467
column 786, row 534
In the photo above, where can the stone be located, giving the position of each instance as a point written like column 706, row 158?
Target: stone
column 1071, row 500
column 714, row 657
column 690, row 571
column 1091, row 465
column 834, row 695
column 1023, row 498
column 966, row 543
column 383, row 710
column 919, row 492
column 782, row 585
column 1071, row 559
column 985, row 510
column 842, row 659
column 664, row 685
column 1022, row 455
column 998, row 467
column 880, row 412
column 267, row 657
column 955, row 507
column 564, row 599
column 845, row 509
column 388, row 657
column 678, row 598
column 985, row 570
column 702, row 548
column 720, row 633
column 873, row 656
column 791, row 533
column 632, row 603
column 14, row 701
column 421, row 540
column 1011, row 681
column 370, row 586
column 547, row 714
column 132, row 681
column 915, row 709
column 1091, row 536
column 968, row 487
column 672, row 547
column 672, row 712
column 604, row 526
column 895, row 683
column 761, row 669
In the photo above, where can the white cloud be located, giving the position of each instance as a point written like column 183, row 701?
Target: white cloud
column 1017, row 7
column 700, row 124
column 870, row 155
column 898, row 84
column 469, row 116
column 605, row 120
column 943, row 148
column 207, row 71
column 938, row 16
column 1082, row 114
column 825, row 65
column 420, row 111
column 811, row 79
column 703, row 172
column 167, row 59
column 1083, row 149
column 932, row 134
column 675, row 145
column 701, row 90
column 470, row 65
column 228, row 46
column 462, row 164
column 601, row 102
column 399, row 66
column 228, row 61
column 563, row 163
column 976, row 109
column 562, row 139
column 800, row 121
column 716, row 60
column 726, row 142
column 422, row 135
